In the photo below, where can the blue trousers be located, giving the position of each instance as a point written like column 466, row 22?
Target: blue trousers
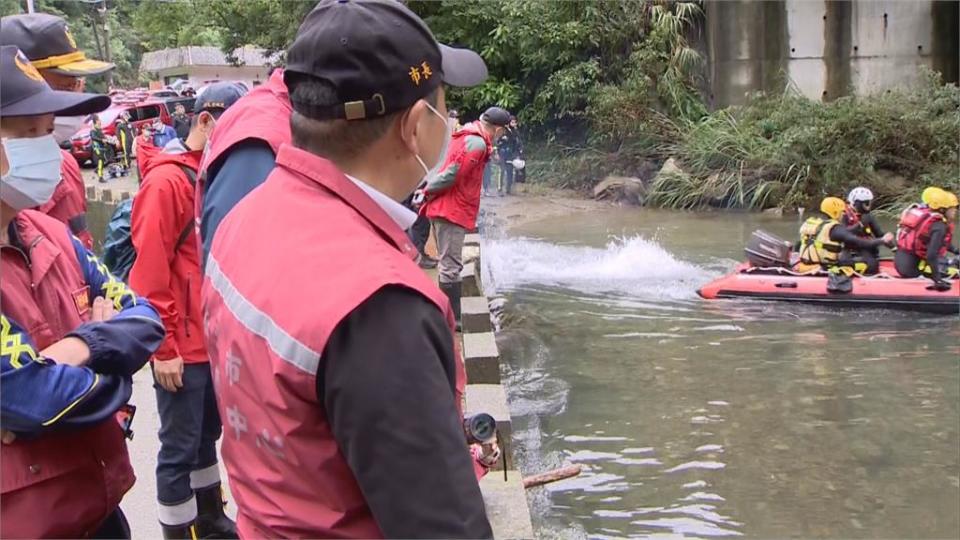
column 189, row 429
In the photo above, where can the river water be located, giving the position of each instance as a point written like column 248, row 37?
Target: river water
column 716, row 419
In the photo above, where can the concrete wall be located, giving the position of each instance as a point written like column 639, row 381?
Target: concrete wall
column 249, row 75
column 826, row 48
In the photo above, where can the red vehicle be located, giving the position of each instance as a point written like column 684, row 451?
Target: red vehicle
column 143, row 109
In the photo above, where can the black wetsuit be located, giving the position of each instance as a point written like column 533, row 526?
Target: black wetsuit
column 867, row 229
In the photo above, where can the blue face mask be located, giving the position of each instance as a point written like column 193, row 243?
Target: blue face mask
column 34, row 171
column 429, row 173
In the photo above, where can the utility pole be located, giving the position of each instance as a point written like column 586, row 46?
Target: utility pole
column 102, row 10
column 29, row 6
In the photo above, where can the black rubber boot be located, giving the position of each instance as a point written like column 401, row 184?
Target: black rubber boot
column 453, row 292
column 211, row 521
column 187, row 531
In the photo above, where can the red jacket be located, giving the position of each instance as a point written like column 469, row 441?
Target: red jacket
column 60, row 485
column 166, row 273
column 145, row 150
column 468, row 155
column 69, row 201
column 333, row 246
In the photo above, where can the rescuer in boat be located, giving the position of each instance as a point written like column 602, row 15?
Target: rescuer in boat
column 858, row 220
column 924, row 238
column 826, row 244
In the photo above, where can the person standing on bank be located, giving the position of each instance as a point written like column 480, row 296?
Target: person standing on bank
column 181, row 122
column 336, row 371
column 167, row 272
column 509, row 148
column 72, row 335
column 453, row 195
column 46, row 40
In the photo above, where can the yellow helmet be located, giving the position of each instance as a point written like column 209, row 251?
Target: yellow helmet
column 943, row 200
column 833, row 207
column 929, row 194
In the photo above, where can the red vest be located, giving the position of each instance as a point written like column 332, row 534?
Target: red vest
column 913, row 234
column 326, row 248
column 60, row 485
column 263, row 114
column 460, row 204
column 69, row 201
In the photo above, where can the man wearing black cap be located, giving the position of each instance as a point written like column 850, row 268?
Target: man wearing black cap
column 72, row 335
column 453, row 195
column 334, row 359
column 46, row 40
column 167, row 272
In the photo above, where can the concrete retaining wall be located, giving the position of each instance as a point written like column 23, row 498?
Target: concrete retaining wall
column 827, row 49
column 506, row 501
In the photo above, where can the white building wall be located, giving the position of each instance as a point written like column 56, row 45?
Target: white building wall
column 199, row 75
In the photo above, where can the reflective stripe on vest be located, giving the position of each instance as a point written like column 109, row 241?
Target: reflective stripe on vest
column 259, row 323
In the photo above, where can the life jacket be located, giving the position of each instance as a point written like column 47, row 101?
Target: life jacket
column 265, row 340
column 913, row 231
column 854, row 221
column 58, row 485
column 460, row 203
column 816, row 247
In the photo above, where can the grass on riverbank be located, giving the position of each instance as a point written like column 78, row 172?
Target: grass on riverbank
column 788, row 151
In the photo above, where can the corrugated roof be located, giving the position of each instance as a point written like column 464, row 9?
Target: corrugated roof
column 201, row 56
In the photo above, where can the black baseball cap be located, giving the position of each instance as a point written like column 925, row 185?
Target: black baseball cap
column 496, row 116
column 23, row 92
column 46, row 40
column 379, row 55
column 218, row 97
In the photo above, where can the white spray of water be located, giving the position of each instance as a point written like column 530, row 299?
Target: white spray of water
column 636, row 266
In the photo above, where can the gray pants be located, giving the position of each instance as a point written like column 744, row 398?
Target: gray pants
column 450, row 247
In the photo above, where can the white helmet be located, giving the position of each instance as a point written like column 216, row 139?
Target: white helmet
column 859, row 194
column 518, row 164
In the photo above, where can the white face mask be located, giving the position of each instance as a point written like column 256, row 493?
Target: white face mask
column 430, row 174
column 65, row 127
column 34, row 171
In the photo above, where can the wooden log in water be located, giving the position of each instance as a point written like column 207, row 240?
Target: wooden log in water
column 552, row 476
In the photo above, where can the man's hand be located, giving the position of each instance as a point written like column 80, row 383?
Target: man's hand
column 169, row 373
column 102, row 310
column 70, row 350
column 8, row 436
column 888, row 239
column 489, row 454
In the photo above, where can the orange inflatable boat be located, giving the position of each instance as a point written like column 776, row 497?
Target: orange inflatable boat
column 886, row 290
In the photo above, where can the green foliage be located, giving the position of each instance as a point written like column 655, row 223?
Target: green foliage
column 576, row 68
column 788, row 150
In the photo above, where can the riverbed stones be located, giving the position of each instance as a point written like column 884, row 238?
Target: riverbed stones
column 621, row 190
column 670, row 169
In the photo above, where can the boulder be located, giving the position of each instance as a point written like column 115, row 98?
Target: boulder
column 670, row 168
column 621, row 189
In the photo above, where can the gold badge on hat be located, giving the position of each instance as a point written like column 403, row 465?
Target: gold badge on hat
column 73, row 42
column 24, row 65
